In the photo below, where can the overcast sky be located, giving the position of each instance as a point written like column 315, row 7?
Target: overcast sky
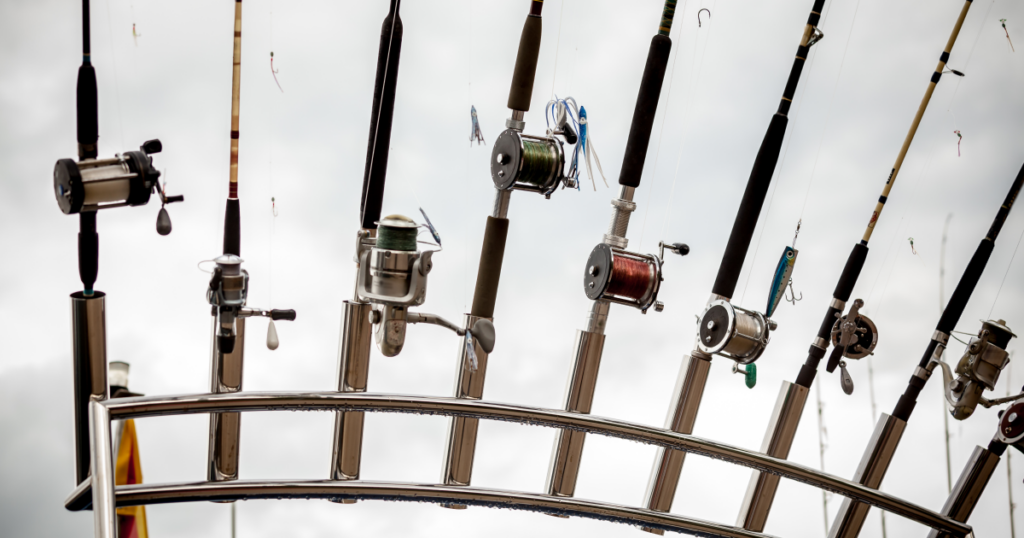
column 306, row 148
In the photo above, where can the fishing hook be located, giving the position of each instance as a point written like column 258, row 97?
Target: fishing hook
column 274, row 72
column 273, row 206
column 912, row 249
column 792, row 298
column 709, row 15
column 1003, row 21
column 959, row 139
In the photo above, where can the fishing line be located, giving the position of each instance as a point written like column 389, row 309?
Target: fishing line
column 782, row 161
column 1008, row 266
column 661, row 138
column 686, row 115
column 113, row 61
column 558, row 41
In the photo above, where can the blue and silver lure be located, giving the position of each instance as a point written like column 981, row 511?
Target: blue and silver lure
column 475, row 133
column 567, row 112
column 784, row 277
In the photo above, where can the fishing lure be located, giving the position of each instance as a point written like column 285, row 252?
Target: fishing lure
column 274, row 72
column 136, row 36
column 476, row 133
column 912, row 249
column 563, row 111
column 273, row 205
column 1003, row 21
column 784, row 277
column 430, row 226
column 959, row 138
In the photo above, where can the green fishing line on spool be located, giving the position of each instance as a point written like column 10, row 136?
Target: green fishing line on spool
column 539, row 163
column 397, row 232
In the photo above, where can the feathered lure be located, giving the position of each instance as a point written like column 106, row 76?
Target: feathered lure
column 563, row 111
column 476, row 133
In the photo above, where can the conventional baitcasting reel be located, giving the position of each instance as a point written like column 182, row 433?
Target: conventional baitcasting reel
column 530, row 163
column 627, row 278
column 733, row 332
column 228, row 291
column 854, row 336
column 127, row 179
column 978, row 370
column 393, row 276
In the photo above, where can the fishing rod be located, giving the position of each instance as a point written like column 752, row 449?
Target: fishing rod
column 979, row 369
column 853, row 335
column 391, row 269
column 227, row 294
column 723, row 328
column 518, row 162
column 614, row 274
column 84, row 188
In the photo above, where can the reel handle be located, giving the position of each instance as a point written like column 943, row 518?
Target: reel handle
column 287, row 315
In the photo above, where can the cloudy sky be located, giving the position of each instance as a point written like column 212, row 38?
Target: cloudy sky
column 306, row 148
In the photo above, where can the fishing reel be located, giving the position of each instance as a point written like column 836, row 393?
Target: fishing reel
column 978, row 370
column 854, row 336
column 1011, row 426
column 530, row 163
column 733, row 332
column 627, row 278
column 127, row 179
column 228, row 291
column 393, row 276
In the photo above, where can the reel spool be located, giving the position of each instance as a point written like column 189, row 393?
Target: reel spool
column 529, row 163
column 979, row 367
column 733, row 332
column 228, row 292
column 127, row 179
column 627, row 278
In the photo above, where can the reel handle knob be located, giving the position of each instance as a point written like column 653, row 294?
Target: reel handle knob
column 175, row 198
column 569, row 134
column 681, row 249
column 150, row 147
column 288, row 315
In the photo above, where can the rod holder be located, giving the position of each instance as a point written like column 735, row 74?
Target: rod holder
column 89, row 350
column 462, row 431
column 353, row 368
column 969, row 487
column 225, row 428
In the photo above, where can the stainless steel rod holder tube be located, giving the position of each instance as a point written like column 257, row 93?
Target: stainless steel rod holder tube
column 668, row 465
column 579, row 396
column 353, row 369
column 789, row 407
column 89, row 349
column 103, row 502
column 225, row 428
column 969, row 487
column 873, row 465
column 469, row 384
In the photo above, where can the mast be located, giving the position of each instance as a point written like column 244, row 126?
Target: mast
column 793, row 396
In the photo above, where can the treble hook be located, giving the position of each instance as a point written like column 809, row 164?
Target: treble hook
column 792, row 298
column 698, row 15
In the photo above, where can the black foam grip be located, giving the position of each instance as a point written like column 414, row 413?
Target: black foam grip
column 232, row 228
column 287, row 315
column 1004, row 210
column 851, row 272
column 381, row 115
column 964, row 288
column 88, row 249
column 810, row 367
column 521, row 91
column 87, row 111
column 904, row 407
column 997, row 447
column 833, row 359
column 489, row 272
column 644, row 112
column 825, row 330
column 750, row 207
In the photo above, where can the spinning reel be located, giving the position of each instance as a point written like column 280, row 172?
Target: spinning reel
column 393, row 276
column 733, row 332
column 978, row 370
column 127, row 179
column 854, row 336
column 627, row 278
column 228, row 291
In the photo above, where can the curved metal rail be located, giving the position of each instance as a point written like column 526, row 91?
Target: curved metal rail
column 394, row 491
column 334, row 401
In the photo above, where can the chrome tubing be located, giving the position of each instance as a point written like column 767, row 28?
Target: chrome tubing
column 89, row 349
column 333, row 401
column 225, row 428
column 353, row 369
column 469, row 384
column 873, row 465
column 969, row 487
column 757, row 502
column 391, row 491
column 103, row 500
column 668, row 465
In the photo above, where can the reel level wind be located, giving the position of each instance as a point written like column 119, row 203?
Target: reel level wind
column 127, row 179
column 393, row 275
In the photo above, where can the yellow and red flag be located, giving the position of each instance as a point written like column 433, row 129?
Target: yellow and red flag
column 131, row 520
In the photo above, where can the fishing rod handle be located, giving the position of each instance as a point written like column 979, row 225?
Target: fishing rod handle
column 492, row 254
column 958, row 301
column 88, row 250
column 644, row 112
column 750, row 207
column 841, row 294
column 521, row 91
column 381, row 116
column 87, row 113
column 233, row 228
